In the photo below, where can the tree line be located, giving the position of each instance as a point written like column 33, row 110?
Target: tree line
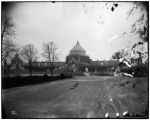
column 28, row 52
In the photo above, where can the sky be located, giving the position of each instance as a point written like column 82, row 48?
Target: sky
column 98, row 29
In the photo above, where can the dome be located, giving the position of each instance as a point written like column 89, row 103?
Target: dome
column 77, row 50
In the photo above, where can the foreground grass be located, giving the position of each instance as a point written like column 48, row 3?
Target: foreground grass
column 79, row 97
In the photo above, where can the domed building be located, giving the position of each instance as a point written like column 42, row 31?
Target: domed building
column 77, row 59
column 78, row 50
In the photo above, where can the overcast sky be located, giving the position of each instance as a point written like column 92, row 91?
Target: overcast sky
column 98, row 29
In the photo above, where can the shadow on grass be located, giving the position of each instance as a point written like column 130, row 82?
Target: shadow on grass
column 10, row 82
column 102, row 73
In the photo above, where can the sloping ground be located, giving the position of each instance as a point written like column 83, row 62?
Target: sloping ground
column 79, row 97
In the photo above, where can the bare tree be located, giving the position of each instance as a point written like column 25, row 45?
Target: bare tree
column 29, row 54
column 49, row 53
column 7, row 31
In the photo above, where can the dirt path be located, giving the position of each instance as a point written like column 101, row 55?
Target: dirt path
column 82, row 97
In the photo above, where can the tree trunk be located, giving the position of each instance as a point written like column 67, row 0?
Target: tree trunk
column 30, row 68
column 52, row 71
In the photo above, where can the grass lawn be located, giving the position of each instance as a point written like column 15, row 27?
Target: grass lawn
column 79, row 97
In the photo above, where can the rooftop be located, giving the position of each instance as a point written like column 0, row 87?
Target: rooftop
column 77, row 50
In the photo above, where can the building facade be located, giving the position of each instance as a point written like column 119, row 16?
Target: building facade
column 77, row 59
column 18, row 66
column 76, row 62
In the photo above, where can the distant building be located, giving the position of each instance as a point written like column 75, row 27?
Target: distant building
column 76, row 62
column 105, row 63
column 77, row 58
column 16, row 64
column 78, row 50
column 44, row 65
